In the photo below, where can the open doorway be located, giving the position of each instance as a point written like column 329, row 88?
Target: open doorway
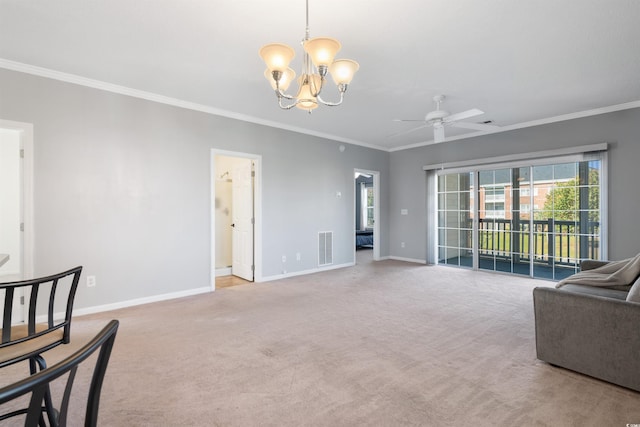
column 367, row 230
column 235, row 180
column 16, row 208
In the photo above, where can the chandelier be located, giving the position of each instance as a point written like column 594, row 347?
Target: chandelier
column 318, row 60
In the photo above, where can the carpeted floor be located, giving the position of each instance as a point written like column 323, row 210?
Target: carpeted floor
column 384, row 344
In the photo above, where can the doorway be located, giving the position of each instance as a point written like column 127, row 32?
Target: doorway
column 366, row 213
column 16, row 202
column 235, row 218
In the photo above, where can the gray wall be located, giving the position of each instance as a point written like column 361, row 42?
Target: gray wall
column 122, row 186
column 620, row 129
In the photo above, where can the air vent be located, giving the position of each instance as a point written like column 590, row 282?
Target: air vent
column 325, row 248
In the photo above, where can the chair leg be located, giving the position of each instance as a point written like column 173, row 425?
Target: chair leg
column 48, row 403
column 33, row 368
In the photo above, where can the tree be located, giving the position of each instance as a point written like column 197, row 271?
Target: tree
column 562, row 202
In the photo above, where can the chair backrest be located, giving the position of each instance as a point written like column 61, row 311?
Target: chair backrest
column 38, row 384
column 36, row 335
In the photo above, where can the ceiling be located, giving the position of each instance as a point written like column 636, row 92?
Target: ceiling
column 521, row 62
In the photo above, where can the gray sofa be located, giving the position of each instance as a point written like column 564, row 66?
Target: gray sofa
column 590, row 330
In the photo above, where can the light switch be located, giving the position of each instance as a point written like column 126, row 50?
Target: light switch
column 404, row 212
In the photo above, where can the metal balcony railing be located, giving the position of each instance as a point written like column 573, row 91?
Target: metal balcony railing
column 554, row 241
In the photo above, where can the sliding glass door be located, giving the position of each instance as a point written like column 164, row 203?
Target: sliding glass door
column 566, row 217
column 503, row 221
column 455, row 219
column 538, row 221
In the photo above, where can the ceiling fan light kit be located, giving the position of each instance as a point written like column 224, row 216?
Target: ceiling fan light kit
column 318, row 61
column 438, row 119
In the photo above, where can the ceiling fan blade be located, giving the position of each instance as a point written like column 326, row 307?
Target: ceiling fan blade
column 408, row 120
column 404, row 132
column 475, row 126
column 438, row 133
column 463, row 115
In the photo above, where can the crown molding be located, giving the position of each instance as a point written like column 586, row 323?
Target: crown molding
column 154, row 97
column 561, row 118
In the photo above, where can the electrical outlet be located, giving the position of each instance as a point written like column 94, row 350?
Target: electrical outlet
column 402, row 244
column 298, row 256
column 91, row 281
column 284, row 258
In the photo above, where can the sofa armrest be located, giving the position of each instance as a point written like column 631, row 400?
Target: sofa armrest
column 593, row 335
column 590, row 264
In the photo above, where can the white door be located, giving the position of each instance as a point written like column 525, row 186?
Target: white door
column 242, row 214
column 11, row 222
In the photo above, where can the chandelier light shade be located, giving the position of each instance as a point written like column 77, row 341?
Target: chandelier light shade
column 277, row 56
column 287, row 77
column 343, row 70
column 318, row 61
column 305, row 98
column 309, row 85
column 322, row 50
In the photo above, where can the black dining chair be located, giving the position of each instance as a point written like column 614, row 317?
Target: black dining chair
column 48, row 319
column 37, row 385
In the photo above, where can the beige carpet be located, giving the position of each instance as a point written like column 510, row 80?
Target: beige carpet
column 384, row 344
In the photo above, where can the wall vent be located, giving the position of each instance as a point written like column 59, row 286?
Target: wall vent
column 325, row 248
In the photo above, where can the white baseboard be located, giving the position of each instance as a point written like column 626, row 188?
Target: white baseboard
column 418, row 261
column 223, row 271
column 190, row 292
column 303, row 272
column 140, row 301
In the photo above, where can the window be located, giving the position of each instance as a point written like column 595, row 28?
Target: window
column 493, row 194
column 494, row 210
column 369, row 206
column 366, row 206
column 537, row 220
column 455, row 219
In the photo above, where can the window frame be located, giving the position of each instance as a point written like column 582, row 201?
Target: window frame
column 600, row 155
column 369, row 191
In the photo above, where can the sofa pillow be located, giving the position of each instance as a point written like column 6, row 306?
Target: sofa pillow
column 634, row 292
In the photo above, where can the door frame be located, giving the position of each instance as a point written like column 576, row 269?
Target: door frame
column 25, row 131
column 376, row 212
column 257, row 209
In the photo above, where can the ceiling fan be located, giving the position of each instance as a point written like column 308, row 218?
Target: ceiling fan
column 438, row 119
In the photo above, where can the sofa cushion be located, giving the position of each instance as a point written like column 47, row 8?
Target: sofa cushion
column 634, row 292
column 595, row 290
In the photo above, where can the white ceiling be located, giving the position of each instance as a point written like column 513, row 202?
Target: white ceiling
column 519, row 61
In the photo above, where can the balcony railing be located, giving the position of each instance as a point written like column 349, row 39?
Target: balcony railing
column 554, row 241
